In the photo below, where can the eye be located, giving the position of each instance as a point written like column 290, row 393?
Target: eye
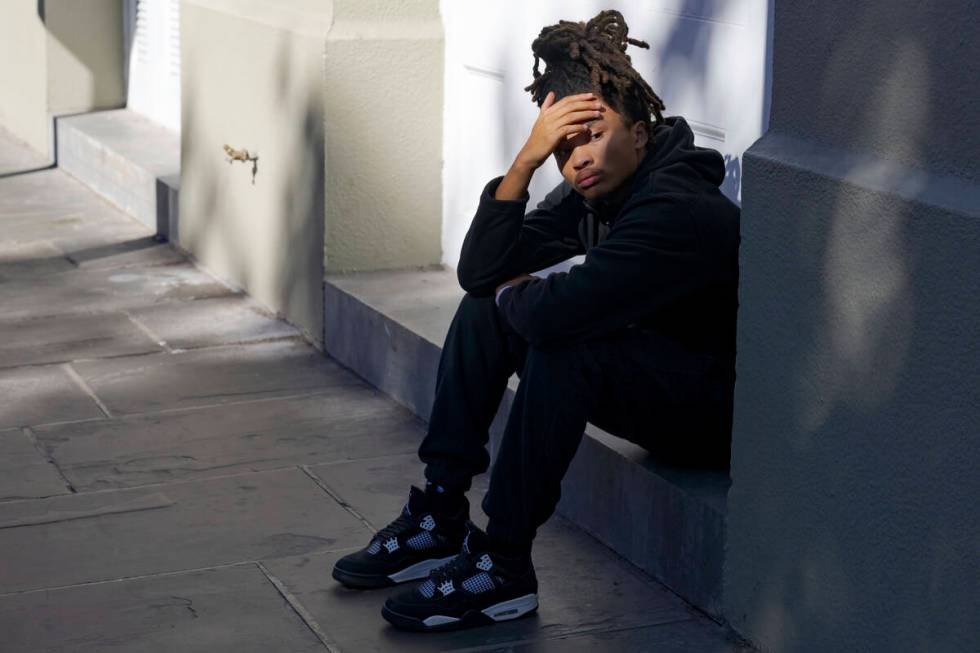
column 596, row 135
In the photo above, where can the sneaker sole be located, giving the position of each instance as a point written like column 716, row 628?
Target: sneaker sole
column 416, row 571
column 503, row 611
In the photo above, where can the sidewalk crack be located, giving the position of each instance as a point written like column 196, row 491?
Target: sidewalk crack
column 46, row 454
column 300, row 610
column 85, row 387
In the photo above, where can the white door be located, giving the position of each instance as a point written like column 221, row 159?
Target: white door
column 707, row 62
column 152, row 37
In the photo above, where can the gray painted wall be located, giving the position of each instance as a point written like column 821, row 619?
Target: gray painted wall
column 853, row 519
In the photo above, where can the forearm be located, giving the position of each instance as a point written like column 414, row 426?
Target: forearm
column 490, row 252
column 492, row 242
column 503, row 241
column 515, row 183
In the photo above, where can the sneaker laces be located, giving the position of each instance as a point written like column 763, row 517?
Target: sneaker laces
column 401, row 524
column 460, row 563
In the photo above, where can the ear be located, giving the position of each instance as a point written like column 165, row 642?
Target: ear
column 640, row 134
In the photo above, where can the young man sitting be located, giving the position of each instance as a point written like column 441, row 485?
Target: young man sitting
column 638, row 339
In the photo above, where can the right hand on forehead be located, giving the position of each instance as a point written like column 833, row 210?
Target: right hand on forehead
column 556, row 122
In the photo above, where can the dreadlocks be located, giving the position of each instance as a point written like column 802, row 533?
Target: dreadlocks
column 593, row 55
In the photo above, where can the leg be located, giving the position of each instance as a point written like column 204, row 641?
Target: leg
column 674, row 402
column 634, row 384
column 546, row 422
column 479, row 356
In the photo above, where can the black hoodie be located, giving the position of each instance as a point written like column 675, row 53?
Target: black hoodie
column 664, row 258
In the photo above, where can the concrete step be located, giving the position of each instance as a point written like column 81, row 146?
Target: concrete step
column 129, row 160
column 389, row 327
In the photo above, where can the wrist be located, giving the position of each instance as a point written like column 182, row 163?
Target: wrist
column 523, row 164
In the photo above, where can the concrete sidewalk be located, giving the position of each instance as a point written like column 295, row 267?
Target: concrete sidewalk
column 179, row 469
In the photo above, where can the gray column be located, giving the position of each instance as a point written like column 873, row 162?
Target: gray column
column 853, row 519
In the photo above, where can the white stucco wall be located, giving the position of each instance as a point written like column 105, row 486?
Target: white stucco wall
column 59, row 56
column 23, row 73
column 383, row 101
column 85, row 55
column 262, row 90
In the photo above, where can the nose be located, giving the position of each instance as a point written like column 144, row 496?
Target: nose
column 581, row 158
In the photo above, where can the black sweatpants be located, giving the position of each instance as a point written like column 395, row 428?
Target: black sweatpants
column 634, row 384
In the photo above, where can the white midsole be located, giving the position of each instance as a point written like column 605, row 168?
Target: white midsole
column 418, row 570
column 502, row 611
column 513, row 608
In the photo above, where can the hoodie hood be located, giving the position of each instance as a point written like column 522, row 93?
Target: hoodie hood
column 673, row 154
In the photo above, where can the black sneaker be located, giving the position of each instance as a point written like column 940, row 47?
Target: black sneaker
column 477, row 588
column 418, row 541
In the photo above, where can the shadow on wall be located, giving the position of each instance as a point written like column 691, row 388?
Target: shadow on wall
column 302, row 201
column 85, row 50
column 684, row 53
column 861, row 455
column 294, row 224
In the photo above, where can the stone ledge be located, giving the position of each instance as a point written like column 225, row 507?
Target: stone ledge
column 388, row 327
column 863, row 170
column 129, row 160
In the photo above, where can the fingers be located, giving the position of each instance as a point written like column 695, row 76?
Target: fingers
column 576, row 116
column 576, row 112
column 567, row 102
column 572, row 124
column 562, row 107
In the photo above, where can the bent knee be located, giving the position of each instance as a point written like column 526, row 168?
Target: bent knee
column 472, row 306
column 555, row 361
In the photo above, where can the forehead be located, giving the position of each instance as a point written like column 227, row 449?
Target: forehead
column 609, row 120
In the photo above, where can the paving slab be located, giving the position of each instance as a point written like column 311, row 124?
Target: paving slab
column 91, row 291
column 98, row 536
column 227, row 609
column 41, row 394
column 31, row 224
column 71, row 337
column 342, row 423
column 24, row 471
column 679, row 637
column 217, row 321
column 45, row 191
column 212, row 376
column 25, row 261
column 51, row 206
column 377, row 488
column 72, row 229
column 582, row 587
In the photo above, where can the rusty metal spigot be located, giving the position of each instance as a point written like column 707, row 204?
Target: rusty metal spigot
column 243, row 156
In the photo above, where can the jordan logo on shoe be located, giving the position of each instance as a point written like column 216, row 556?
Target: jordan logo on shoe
column 446, row 587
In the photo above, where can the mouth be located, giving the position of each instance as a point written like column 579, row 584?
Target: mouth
column 590, row 180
